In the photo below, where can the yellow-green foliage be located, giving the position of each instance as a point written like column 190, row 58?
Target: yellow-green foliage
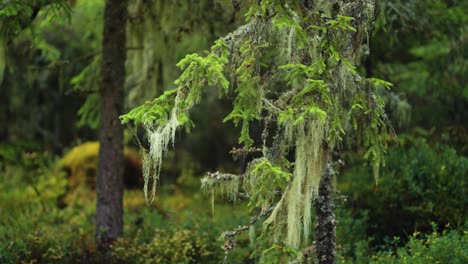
column 248, row 103
column 263, row 182
column 81, row 164
column 29, row 181
column 164, row 115
column 186, row 231
column 184, row 246
column 448, row 247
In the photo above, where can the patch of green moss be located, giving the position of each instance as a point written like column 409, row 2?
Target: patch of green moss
column 80, row 165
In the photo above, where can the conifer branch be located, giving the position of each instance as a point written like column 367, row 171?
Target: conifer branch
column 230, row 236
column 270, row 106
column 240, row 32
column 305, row 255
column 218, row 176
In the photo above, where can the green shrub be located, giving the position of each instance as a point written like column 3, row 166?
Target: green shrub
column 80, row 165
column 34, row 235
column 420, row 185
column 29, row 181
column 351, row 236
column 179, row 228
column 32, row 228
column 448, row 247
column 182, row 246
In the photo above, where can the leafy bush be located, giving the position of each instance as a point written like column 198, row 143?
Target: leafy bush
column 182, row 246
column 448, row 247
column 42, row 245
column 351, row 236
column 29, row 182
column 80, row 163
column 80, row 167
column 420, row 185
column 178, row 228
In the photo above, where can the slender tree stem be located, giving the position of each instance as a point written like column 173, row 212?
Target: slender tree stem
column 109, row 207
column 325, row 229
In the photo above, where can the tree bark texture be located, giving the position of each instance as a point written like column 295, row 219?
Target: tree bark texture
column 325, row 226
column 109, row 207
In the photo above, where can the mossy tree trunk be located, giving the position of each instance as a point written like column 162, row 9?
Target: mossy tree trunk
column 325, row 226
column 109, row 207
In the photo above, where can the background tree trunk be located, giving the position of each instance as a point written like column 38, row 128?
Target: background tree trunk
column 109, row 208
column 325, row 227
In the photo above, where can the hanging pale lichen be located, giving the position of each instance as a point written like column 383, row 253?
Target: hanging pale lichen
column 294, row 208
column 164, row 115
column 228, row 185
column 147, row 165
column 309, row 161
column 159, row 139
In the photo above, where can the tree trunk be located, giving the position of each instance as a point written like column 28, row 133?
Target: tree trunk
column 325, row 226
column 109, row 207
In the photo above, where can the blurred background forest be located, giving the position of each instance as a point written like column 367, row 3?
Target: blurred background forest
column 49, row 108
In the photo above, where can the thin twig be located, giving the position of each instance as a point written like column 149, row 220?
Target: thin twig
column 230, row 236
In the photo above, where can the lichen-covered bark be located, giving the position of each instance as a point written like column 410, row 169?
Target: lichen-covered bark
column 109, row 208
column 325, row 227
column 364, row 12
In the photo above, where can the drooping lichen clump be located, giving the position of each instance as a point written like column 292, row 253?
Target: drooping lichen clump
column 227, row 185
column 164, row 115
column 307, row 171
column 159, row 139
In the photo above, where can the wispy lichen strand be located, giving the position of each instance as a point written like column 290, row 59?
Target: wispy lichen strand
column 163, row 116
